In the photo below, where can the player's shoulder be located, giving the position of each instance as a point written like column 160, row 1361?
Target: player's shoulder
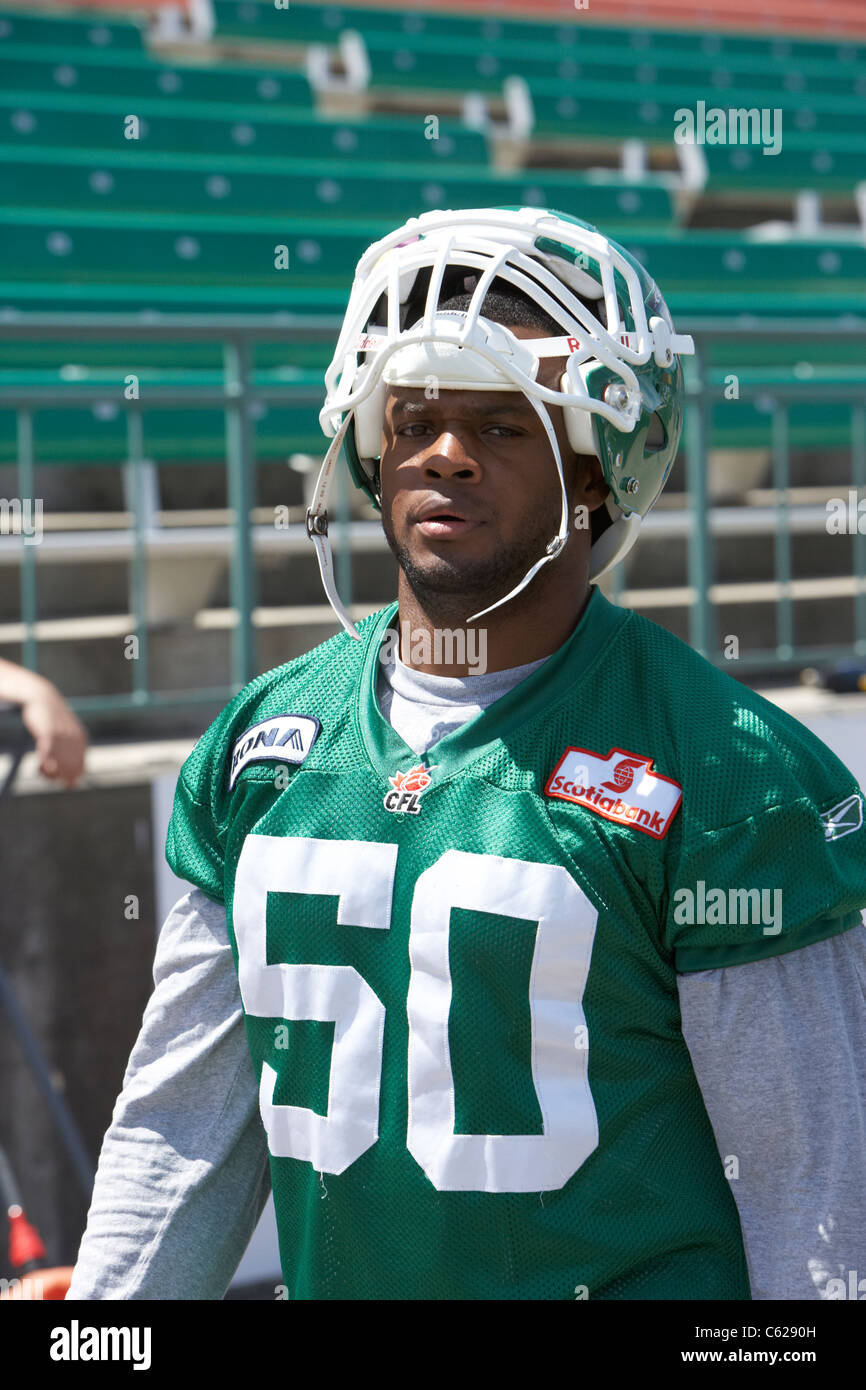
column 285, row 707
column 327, row 667
column 704, row 695
column 737, row 751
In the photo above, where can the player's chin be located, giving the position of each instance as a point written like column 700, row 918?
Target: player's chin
column 461, row 557
column 453, row 574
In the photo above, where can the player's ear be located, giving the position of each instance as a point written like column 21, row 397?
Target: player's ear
column 589, row 487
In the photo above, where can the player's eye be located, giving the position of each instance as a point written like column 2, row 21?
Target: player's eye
column 414, row 430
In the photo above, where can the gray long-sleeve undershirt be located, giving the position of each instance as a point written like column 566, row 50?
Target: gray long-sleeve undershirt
column 777, row 1046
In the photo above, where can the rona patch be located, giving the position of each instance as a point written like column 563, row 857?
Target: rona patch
column 621, row 787
column 284, row 738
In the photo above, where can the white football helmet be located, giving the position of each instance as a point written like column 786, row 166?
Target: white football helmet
column 621, row 391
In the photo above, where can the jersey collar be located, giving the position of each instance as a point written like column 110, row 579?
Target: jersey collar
column 559, row 676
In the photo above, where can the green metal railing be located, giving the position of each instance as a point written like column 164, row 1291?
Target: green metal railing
column 238, row 337
column 778, row 398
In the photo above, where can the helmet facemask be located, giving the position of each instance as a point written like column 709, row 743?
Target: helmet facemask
column 397, row 334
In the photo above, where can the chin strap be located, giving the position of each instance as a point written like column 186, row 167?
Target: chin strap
column 317, row 527
column 555, row 546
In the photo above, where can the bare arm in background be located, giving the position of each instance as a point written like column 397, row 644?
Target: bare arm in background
column 60, row 737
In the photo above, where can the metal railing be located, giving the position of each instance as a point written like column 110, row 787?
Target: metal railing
column 698, row 522
column 236, row 334
column 703, row 522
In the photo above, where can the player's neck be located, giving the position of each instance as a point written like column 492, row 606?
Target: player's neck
column 525, row 629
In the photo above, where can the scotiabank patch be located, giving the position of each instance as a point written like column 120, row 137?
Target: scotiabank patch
column 621, row 787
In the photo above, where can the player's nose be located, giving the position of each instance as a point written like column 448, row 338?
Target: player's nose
column 448, row 456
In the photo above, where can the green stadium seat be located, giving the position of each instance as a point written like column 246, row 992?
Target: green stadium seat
column 305, row 21
column 154, row 298
column 98, row 434
column 748, row 424
column 437, row 62
column 735, row 269
column 187, row 252
column 130, row 180
column 96, row 31
column 52, row 360
column 651, row 111
column 97, row 124
column 37, row 67
column 833, row 164
column 156, row 260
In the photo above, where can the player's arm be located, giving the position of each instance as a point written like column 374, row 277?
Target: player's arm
column 183, row 1173
column 778, row 1047
column 59, row 735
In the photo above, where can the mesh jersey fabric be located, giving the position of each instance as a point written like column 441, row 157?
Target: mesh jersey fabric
column 464, row 1021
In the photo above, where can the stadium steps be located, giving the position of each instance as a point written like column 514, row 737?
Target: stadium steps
column 824, row 157
column 114, row 625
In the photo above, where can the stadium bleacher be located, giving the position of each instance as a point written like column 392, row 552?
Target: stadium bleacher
column 129, row 181
column 239, row 147
column 94, row 72
column 305, row 22
column 227, row 129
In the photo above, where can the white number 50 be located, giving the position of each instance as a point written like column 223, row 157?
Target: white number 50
column 361, row 875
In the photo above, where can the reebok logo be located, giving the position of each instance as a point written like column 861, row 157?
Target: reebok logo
column 844, row 818
column 644, row 800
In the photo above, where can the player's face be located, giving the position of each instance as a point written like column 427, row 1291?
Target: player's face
column 470, row 492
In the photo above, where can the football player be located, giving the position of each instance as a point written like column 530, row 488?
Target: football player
column 536, row 977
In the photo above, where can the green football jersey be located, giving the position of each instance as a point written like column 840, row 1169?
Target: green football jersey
column 458, row 971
